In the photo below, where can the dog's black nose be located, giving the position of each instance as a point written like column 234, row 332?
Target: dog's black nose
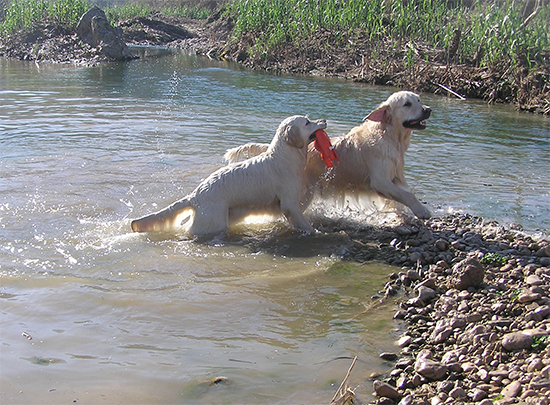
column 427, row 109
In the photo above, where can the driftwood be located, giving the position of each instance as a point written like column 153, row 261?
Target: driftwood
column 345, row 395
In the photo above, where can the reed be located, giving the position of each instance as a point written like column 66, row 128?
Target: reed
column 21, row 14
column 126, row 11
column 492, row 31
column 129, row 10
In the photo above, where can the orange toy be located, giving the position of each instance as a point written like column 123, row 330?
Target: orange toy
column 325, row 148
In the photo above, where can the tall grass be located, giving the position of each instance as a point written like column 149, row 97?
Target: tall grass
column 491, row 30
column 21, row 14
column 197, row 11
column 125, row 11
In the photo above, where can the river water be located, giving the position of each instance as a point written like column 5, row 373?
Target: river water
column 91, row 312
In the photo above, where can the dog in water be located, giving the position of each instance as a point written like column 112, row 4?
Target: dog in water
column 372, row 155
column 268, row 183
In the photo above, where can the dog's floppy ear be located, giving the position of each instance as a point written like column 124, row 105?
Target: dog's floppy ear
column 381, row 114
column 293, row 136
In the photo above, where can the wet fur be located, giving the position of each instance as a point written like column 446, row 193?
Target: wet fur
column 371, row 155
column 270, row 182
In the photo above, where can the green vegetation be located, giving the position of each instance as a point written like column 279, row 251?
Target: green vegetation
column 23, row 14
column 492, row 31
column 134, row 9
column 494, row 259
column 540, row 342
column 128, row 10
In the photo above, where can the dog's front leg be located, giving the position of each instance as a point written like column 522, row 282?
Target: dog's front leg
column 393, row 192
column 294, row 215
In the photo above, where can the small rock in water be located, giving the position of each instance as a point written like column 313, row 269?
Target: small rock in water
column 388, row 356
column 383, row 389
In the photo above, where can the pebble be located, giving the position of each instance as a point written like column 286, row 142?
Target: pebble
column 430, row 369
column 477, row 394
column 457, row 393
column 476, row 325
column 383, row 389
column 425, row 294
column 533, row 279
column 528, row 297
column 467, row 273
column 511, row 390
column 388, row 356
column 521, row 340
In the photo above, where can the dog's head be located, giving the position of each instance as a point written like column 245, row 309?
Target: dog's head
column 298, row 131
column 402, row 109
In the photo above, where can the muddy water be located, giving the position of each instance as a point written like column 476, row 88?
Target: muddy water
column 91, row 312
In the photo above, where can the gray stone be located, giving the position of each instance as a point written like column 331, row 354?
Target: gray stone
column 95, row 30
column 521, row 340
column 477, row 395
column 538, row 314
column 543, row 251
column 528, row 297
column 429, row 368
column 467, row 273
column 457, row 393
column 425, row 294
column 388, row 356
column 542, row 383
column 533, row 279
column 404, row 341
column 442, row 245
column 511, row 390
column 383, row 389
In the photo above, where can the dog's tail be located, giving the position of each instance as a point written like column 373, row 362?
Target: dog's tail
column 163, row 220
column 245, row 151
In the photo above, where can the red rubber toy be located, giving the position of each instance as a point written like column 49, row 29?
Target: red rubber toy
column 325, row 148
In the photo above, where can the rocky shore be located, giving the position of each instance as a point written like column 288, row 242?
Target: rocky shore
column 476, row 310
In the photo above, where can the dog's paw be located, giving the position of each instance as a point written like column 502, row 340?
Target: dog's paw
column 423, row 213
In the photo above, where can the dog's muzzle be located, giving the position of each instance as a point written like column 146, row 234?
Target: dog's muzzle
column 419, row 123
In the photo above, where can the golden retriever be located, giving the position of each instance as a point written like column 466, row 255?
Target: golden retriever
column 270, row 182
column 372, row 155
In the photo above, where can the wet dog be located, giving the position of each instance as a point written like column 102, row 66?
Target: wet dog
column 372, row 155
column 268, row 183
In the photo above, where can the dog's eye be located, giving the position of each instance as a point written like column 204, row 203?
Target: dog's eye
column 407, row 104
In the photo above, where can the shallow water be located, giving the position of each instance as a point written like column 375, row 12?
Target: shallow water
column 91, row 312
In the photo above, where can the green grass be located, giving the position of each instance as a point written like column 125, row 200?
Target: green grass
column 21, row 14
column 126, row 11
column 494, row 259
column 196, row 12
column 491, row 31
column 130, row 10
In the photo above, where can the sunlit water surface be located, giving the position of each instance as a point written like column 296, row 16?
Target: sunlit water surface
column 91, row 312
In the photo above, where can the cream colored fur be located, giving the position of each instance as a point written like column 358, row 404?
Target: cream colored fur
column 270, row 182
column 371, row 155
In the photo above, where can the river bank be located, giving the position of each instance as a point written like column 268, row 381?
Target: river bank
column 351, row 56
